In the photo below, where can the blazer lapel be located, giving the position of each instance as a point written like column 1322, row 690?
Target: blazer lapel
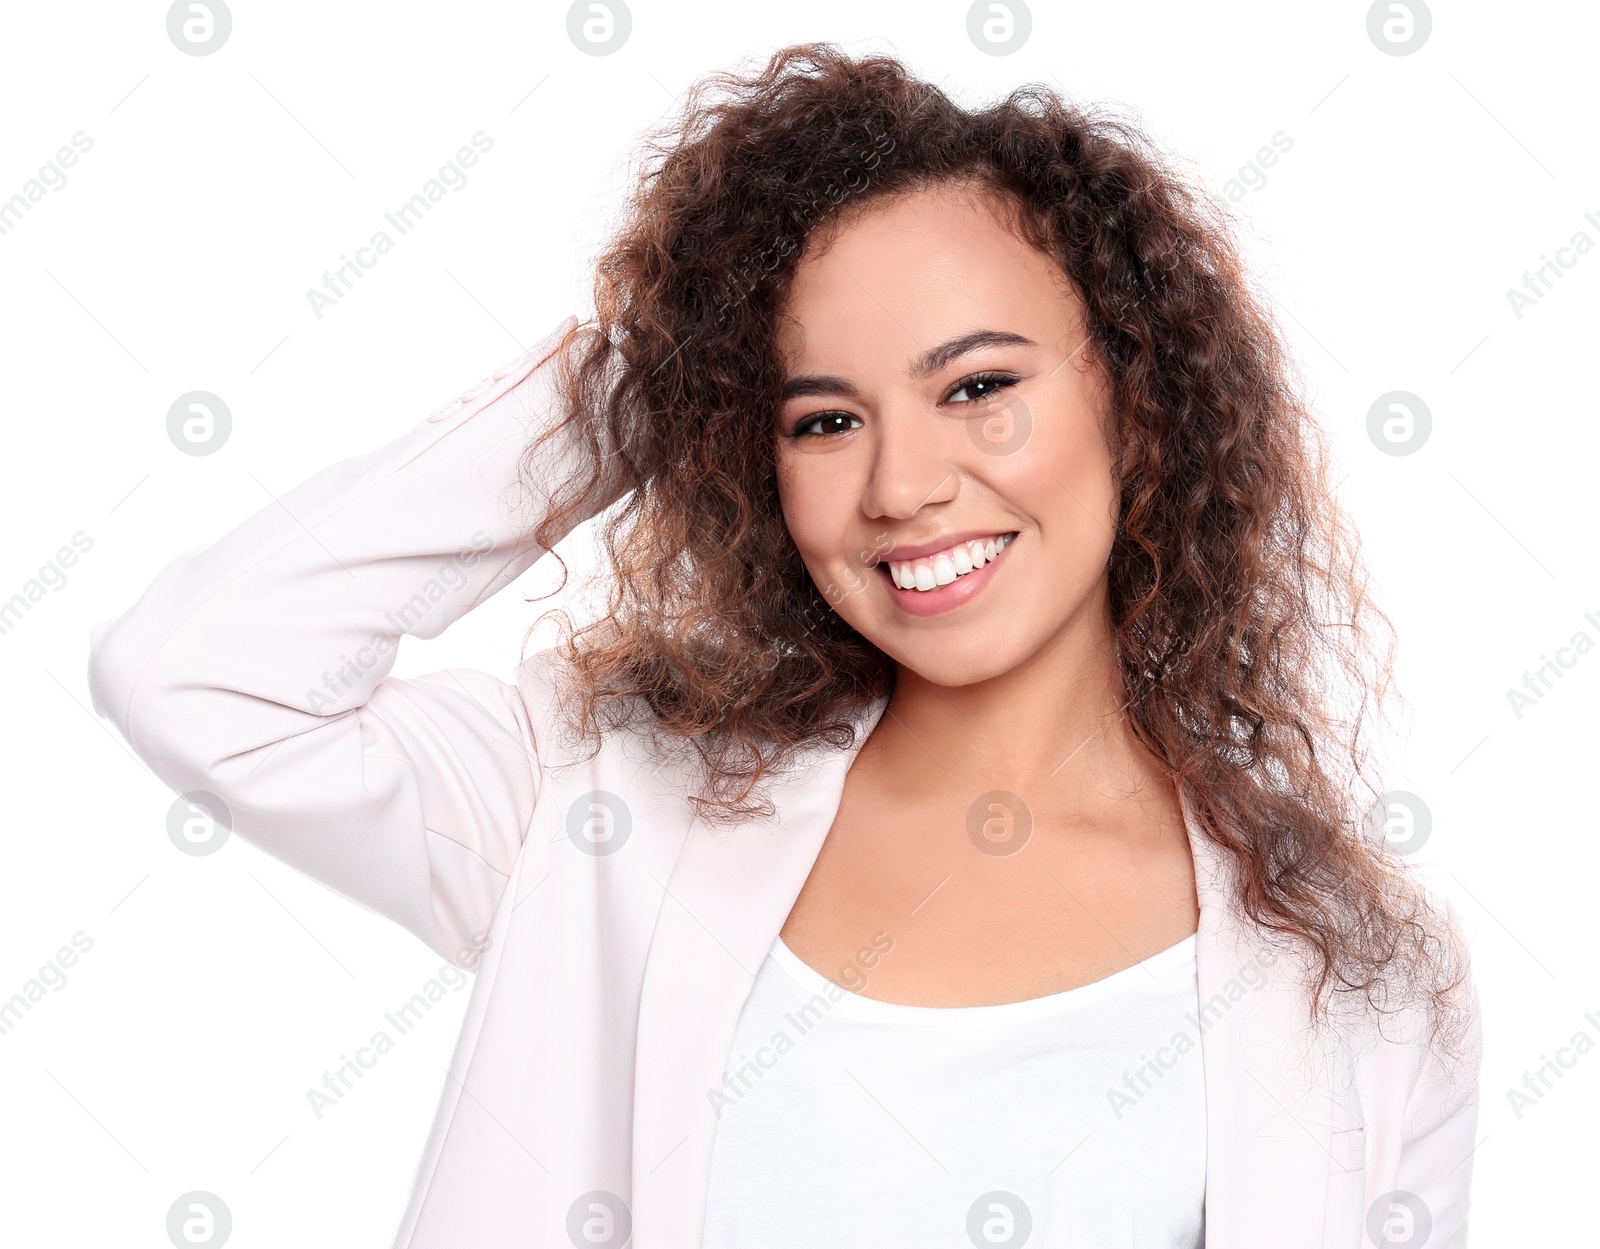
column 726, row 901
column 1268, row 1119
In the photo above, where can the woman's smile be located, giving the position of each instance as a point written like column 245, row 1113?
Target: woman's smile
column 931, row 584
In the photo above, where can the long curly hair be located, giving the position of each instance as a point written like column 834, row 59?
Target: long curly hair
column 1252, row 657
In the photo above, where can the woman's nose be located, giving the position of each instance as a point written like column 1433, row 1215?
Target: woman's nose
column 914, row 460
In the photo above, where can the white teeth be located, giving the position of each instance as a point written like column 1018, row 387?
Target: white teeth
column 932, row 571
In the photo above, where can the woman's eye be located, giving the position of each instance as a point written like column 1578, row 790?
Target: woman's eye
column 829, row 421
column 969, row 390
column 982, row 384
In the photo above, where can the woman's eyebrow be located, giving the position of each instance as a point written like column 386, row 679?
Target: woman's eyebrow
column 807, row 385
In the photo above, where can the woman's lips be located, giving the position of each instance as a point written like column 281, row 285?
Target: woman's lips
column 946, row 597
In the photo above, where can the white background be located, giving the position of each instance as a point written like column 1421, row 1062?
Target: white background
column 218, row 188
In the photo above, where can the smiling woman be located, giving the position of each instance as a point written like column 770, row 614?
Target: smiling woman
column 1040, row 479
column 980, row 628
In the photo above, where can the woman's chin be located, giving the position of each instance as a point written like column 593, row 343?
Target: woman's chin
column 953, row 661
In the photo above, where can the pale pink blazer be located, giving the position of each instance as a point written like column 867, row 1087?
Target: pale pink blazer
column 256, row 669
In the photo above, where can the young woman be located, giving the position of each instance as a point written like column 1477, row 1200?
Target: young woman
column 952, row 832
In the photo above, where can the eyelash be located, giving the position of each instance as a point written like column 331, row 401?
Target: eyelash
column 999, row 378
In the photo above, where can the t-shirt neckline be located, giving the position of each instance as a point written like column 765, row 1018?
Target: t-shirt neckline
column 1176, row 959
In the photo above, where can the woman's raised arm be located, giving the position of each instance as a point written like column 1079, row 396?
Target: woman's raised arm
column 256, row 669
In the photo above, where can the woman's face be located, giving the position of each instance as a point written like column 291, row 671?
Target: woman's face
column 940, row 398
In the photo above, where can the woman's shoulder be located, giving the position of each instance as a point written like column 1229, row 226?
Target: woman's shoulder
column 585, row 743
column 1415, row 1040
column 549, row 686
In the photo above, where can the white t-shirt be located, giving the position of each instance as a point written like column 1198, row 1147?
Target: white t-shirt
column 1075, row 1119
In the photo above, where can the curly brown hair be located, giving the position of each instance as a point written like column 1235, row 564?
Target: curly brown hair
column 1236, row 590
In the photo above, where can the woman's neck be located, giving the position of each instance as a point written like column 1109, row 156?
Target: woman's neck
column 1053, row 730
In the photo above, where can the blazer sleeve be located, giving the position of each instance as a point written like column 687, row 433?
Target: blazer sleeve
column 256, row 669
